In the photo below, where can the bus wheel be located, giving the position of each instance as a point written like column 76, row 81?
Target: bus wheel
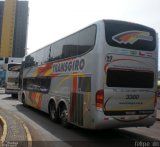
column 64, row 118
column 52, row 112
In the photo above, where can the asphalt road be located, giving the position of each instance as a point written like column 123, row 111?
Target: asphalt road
column 46, row 133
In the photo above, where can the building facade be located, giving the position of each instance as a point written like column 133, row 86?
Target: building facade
column 1, row 17
column 13, row 28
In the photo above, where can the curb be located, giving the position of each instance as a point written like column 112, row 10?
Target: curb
column 4, row 127
column 29, row 137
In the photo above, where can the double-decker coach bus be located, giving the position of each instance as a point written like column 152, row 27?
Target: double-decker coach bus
column 103, row 76
column 12, row 76
column 12, row 79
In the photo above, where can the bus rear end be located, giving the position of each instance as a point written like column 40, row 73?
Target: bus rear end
column 12, row 79
column 130, row 76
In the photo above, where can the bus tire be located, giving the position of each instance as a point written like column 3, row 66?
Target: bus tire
column 64, row 117
column 52, row 112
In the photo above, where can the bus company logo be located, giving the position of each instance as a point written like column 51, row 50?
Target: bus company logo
column 68, row 66
column 131, row 37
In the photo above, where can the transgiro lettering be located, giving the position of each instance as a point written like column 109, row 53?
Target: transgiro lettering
column 74, row 65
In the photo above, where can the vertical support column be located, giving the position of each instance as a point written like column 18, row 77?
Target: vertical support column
column 8, row 25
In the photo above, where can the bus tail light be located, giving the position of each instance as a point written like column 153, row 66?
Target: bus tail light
column 100, row 99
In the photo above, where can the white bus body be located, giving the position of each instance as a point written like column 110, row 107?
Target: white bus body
column 103, row 76
column 12, row 76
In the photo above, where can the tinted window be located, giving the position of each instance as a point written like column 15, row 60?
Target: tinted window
column 37, row 84
column 70, row 48
column 86, row 39
column 129, row 78
column 14, row 67
column 46, row 53
column 130, row 35
column 39, row 57
column 56, row 50
column 73, row 45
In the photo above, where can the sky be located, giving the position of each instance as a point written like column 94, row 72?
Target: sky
column 51, row 20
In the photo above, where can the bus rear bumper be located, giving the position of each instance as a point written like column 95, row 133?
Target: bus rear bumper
column 109, row 122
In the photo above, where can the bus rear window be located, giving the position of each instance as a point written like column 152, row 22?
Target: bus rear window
column 130, row 35
column 129, row 78
column 14, row 67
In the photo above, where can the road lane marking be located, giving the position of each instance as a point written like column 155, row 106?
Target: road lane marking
column 29, row 137
column 4, row 127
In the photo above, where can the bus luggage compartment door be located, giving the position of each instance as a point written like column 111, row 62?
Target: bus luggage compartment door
column 80, row 103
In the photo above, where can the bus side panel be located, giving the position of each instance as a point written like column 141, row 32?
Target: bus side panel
column 75, row 90
column 80, row 112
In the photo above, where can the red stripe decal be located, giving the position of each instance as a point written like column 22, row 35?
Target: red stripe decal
column 73, row 97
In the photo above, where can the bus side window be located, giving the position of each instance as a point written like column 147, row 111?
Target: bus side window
column 70, row 46
column 37, row 84
column 86, row 39
column 56, row 51
column 46, row 54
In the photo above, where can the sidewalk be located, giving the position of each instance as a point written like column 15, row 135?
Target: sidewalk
column 15, row 132
column 158, row 109
column 158, row 115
